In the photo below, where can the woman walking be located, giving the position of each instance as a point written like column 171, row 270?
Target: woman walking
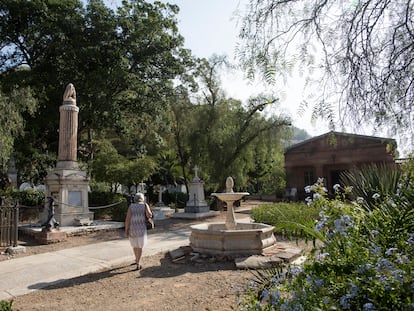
column 135, row 226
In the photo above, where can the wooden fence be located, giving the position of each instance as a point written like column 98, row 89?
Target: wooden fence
column 9, row 219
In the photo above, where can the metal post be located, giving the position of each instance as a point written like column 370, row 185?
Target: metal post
column 16, row 225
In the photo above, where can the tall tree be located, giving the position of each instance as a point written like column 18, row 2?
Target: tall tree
column 227, row 132
column 364, row 48
column 13, row 106
column 122, row 65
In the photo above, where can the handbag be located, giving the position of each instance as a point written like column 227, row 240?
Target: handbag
column 149, row 222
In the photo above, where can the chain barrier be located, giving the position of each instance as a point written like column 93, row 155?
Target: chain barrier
column 92, row 207
column 58, row 202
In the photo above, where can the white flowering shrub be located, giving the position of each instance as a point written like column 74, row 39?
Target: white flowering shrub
column 364, row 260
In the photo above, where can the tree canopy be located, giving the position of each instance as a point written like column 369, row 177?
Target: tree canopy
column 122, row 64
column 229, row 138
column 364, row 50
column 13, row 106
column 148, row 109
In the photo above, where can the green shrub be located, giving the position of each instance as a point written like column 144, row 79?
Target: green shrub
column 25, row 197
column 114, row 211
column 285, row 216
column 31, row 203
column 178, row 198
column 365, row 261
column 6, row 305
column 372, row 179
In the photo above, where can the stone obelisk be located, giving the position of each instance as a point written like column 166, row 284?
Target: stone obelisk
column 67, row 184
column 68, row 130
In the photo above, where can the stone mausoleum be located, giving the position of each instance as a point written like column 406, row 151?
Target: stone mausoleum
column 327, row 155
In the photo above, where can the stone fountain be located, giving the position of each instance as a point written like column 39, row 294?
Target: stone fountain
column 231, row 238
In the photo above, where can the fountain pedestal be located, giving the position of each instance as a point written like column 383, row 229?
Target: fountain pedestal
column 231, row 238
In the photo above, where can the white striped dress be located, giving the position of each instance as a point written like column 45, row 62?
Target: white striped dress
column 137, row 227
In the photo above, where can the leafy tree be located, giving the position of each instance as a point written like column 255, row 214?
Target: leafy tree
column 112, row 168
column 182, row 124
column 122, row 65
column 13, row 106
column 364, row 49
column 168, row 169
column 228, row 135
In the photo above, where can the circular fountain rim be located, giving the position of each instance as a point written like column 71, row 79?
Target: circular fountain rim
column 205, row 228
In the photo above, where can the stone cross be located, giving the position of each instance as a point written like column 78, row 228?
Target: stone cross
column 196, row 178
column 141, row 187
column 160, row 194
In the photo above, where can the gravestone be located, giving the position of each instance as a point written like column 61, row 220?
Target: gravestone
column 160, row 211
column 196, row 201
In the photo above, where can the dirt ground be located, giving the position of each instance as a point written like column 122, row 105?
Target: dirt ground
column 210, row 284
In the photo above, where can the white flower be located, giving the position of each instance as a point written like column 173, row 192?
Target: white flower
column 375, row 196
column 360, row 200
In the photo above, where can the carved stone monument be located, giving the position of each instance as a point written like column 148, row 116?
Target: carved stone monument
column 196, row 201
column 160, row 211
column 67, row 184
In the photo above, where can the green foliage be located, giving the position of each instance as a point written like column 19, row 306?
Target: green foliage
column 121, row 62
column 111, row 167
column 300, row 134
column 99, row 186
column 6, row 305
column 13, row 106
column 179, row 199
column 116, row 212
column 365, row 260
column 33, row 168
column 285, row 217
column 372, row 179
column 26, row 197
column 232, row 139
column 168, row 170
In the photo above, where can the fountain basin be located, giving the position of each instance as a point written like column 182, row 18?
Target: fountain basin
column 230, row 196
column 245, row 239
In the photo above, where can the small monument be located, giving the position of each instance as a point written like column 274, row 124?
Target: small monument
column 12, row 173
column 67, row 184
column 196, row 201
column 159, row 210
column 160, row 190
column 50, row 228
